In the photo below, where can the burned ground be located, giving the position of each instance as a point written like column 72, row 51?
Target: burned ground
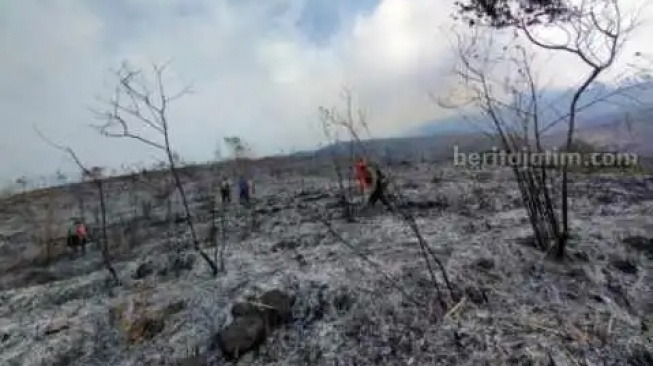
column 519, row 308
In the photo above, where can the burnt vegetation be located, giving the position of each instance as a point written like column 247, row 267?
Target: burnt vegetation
column 535, row 265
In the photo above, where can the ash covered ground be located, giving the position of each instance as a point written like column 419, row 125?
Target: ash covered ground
column 371, row 305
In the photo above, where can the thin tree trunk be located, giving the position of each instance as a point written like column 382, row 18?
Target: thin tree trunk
column 223, row 236
column 189, row 218
column 214, row 229
column 81, row 205
column 105, row 237
column 564, row 237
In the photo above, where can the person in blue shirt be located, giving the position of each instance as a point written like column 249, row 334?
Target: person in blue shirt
column 243, row 189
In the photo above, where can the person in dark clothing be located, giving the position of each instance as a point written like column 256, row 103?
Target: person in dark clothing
column 225, row 191
column 243, row 188
column 378, row 188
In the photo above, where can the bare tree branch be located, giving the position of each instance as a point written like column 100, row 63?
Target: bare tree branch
column 331, row 117
column 595, row 34
column 147, row 107
column 95, row 175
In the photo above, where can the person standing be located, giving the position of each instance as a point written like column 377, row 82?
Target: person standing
column 378, row 187
column 225, row 190
column 77, row 236
column 243, row 190
column 363, row 175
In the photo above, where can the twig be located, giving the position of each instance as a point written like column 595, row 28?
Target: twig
column 456, row 307
column 380, row 269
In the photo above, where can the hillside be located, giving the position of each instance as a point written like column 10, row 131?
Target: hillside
column 361, row 294
column 435, row 148
column 621, row 122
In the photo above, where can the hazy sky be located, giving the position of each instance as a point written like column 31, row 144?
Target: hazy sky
column 259, row 70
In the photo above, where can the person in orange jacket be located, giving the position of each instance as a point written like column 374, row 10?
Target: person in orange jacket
column 371, row 179
column 363, row 175
column 77, row 237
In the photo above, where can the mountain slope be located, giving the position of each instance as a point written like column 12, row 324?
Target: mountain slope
column 634, row 98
